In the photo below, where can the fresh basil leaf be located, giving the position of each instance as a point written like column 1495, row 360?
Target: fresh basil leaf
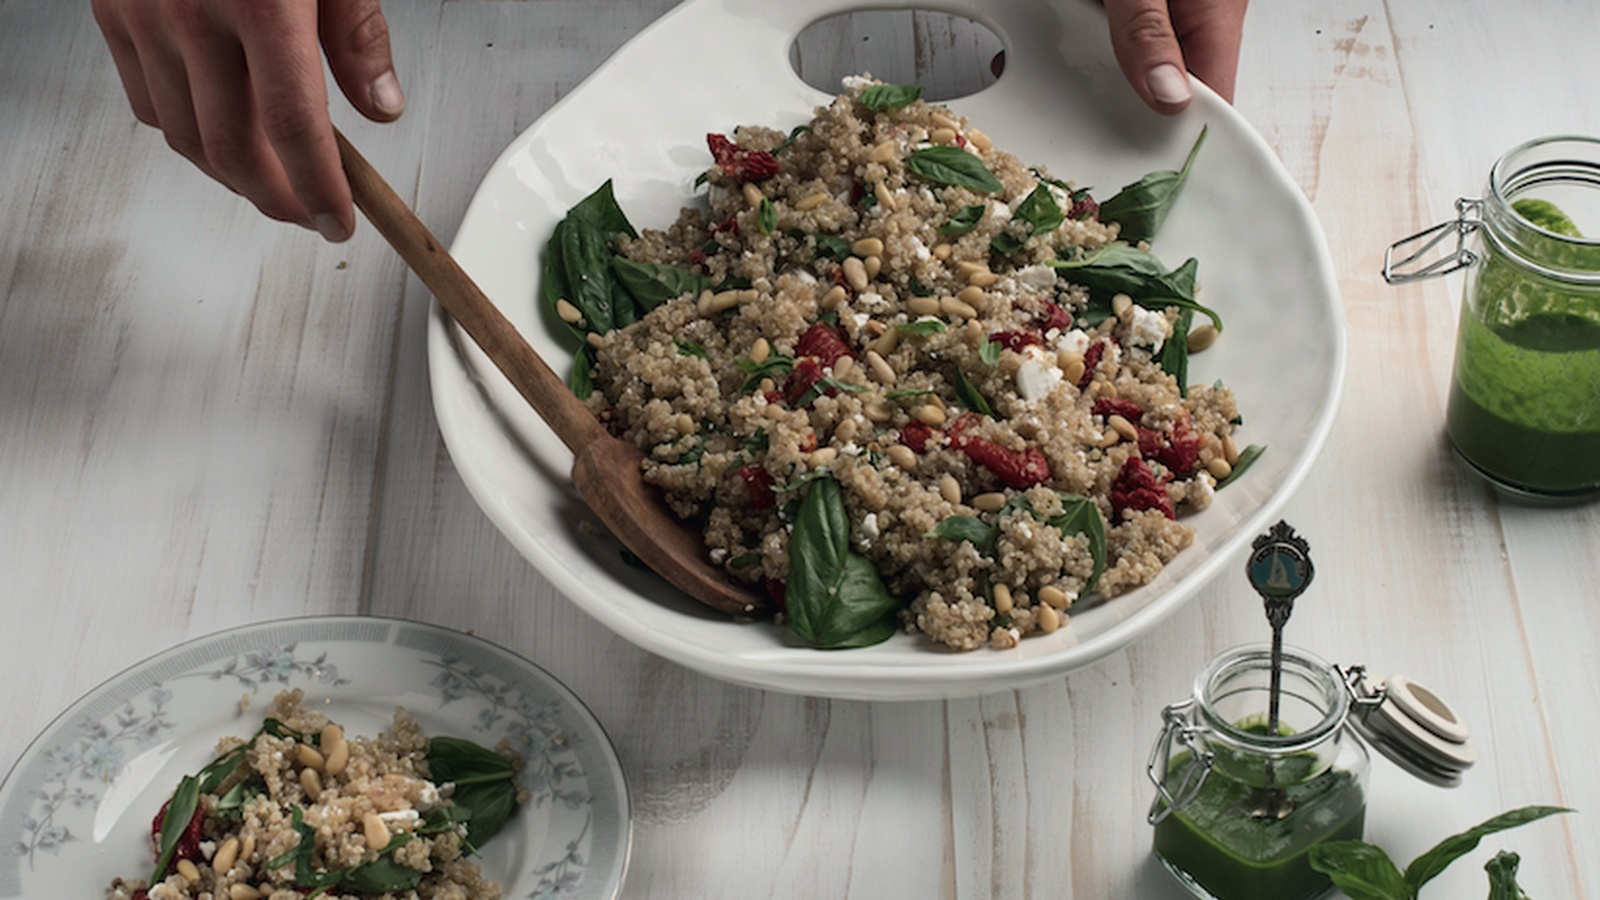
column 581, row 379
column 831, row 246
column 601, row 210
column 890, row 96
column 1141, row 207
column 970, row 397
column 1425, row 867
column 767, row 216
column 652, row 284
column 690, row 348
column 383, row 875
column 990, row 352
column 971, row 529
column 822, row 386
column 1247, row 457
column 908, row 392
column 1121, row 269
column 1040, row 211
column 1174, row 356
column 487, row 807
column 1502, row 871
column 772, row 366
column 180, row 810
column 923, row 327
column 1005, row 243
column 953, row 166
column 1362, row 871
column 794, row 133
column 835, row 597
column 460, row 761
column 1080, row 515
column 965, row 219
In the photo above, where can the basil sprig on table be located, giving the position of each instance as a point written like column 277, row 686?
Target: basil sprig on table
column 834, row 598
column 1142, row 206
column 1365, row 872
column 953, row 166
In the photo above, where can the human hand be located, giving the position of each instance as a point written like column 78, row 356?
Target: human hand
column 1156, row 41
column 237, row 88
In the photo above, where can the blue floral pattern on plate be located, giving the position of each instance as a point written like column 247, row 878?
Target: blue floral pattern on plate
column 78, row 804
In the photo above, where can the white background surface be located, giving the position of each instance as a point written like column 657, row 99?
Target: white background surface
column 208, row 419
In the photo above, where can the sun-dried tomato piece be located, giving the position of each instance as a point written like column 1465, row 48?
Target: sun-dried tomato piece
column 1180, row 451
column 824, row 342
column 1015, row 468
column 1016, row 340
column 759, row 481
column 1055, row 316
column 740, row 164
column 916, row 435
column 1137, row 488
column 807, row 372
column 1083, row 207
column 1118, row 406
column 1091, row 361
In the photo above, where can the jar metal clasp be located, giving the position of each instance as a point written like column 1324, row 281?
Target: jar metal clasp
column 1180, row 728
column 1421, row 258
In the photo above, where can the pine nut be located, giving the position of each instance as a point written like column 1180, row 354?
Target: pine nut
column 811, row 201
column 242, row 891
column 979, row 140
column 923, row 306
column 569, row 314
column 886, row 342
column 951, row 306
column 760, row 350
column 702, row 303
column 884, row 152
column 942, row 251
column 823, row 455
column 993, row 501
column 311, row 783
column 189, row 871
column 684, row 423
column 874, row 265
column 1122, row 306
column 983, row 279
column 974, row 332
column 1219, row 467
column 966, row 268
column 309, row 756
column 877, row 409
column 1053, row 596
column 766, row 385
column 950, row 489
column 1202, row 337
column 335, row 748
column 834, row 298
column 940, row 120
column 876, row 328
column 753, row 195
column 886, row 197
column 773, row 411
column 846, row 431
column 1230, row 450
column 880, row 367
column 726, row 300
column 929, row 414
column 594, row 339
column 972, row 295
column 226, row 856
column 902, row 456
column 1123, row 427
column 1049, row 620
column 1003, row 602
column 376, row 832
column 867, row 246
column 944, row 136
column 843, row 366
column 247, row 848
column 855, row 273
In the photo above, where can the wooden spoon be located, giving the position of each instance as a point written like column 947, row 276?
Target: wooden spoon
column 605, row 470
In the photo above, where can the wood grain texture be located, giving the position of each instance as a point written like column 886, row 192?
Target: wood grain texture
column 208, row 419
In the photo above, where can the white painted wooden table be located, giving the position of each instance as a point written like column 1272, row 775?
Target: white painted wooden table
column 207, row 419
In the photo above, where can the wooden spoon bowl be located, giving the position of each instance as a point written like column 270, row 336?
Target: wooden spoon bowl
column 605, row 470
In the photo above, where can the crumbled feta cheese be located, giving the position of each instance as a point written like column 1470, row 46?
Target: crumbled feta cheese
column 856, row 82
column 920, row 250
column 1036, row 276
column 1037, row 376
column 402, row 819
column 1000, row 212
column 869, row 526
column 719, row 555
column 1074, row 341
column 1147, row 328
column 871, row 300
column 861, row 319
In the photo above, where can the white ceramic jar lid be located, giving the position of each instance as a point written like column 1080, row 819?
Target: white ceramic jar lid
column 1413, row 727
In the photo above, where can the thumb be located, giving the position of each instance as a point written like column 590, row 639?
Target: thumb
column 355, row 35
column 1147, row 49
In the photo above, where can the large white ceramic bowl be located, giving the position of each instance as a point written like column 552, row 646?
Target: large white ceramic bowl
column 710, row 65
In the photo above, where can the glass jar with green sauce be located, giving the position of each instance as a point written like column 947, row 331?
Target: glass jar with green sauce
column 1524, row 408
column 1238, row 808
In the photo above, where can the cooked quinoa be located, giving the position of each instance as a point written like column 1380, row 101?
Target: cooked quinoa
column 917, row 342
column 358, row 795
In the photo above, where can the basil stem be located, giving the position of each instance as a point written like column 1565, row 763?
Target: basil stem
column 1142, row 206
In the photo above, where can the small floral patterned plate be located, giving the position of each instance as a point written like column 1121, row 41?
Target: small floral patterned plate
column 75, row 810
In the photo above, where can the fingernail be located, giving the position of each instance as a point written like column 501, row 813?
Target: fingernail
column 329, row 227
column 1168, row 84
column 386, row 95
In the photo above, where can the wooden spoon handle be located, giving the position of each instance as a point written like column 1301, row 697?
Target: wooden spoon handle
column 461, row 298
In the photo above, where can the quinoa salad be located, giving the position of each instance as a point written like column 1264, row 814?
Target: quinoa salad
column 301, row 810
column 901, row 379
